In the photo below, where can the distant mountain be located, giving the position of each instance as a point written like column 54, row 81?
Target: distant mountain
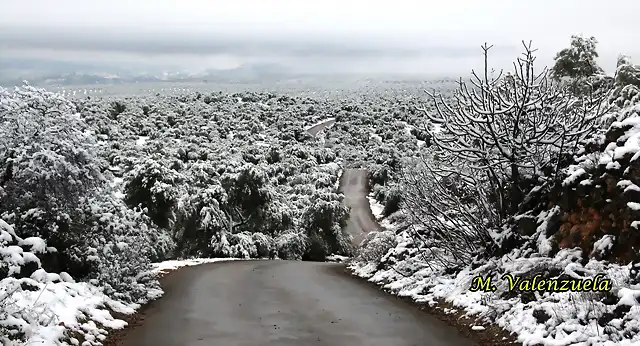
column 41, row 72
column 49, row 73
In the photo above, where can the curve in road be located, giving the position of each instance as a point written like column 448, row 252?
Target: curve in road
column 282, row 303
column 354, row 184
column 321, row 126
column 287, row 303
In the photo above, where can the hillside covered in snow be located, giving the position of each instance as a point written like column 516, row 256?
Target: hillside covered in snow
column 526, row 174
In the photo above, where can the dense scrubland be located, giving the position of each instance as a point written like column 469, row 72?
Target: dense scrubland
column 527, row 172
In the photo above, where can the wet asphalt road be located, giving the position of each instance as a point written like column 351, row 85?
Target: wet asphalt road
column 315, row 129
column 354, row 185
column 287, row 303
column 282, row 303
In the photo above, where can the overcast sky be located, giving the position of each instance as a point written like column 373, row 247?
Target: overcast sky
column 405, row 36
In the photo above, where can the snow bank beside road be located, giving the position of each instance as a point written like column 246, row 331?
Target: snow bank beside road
column 166, row 266
column 406, row 269
column 376, row 207
column 51, row 309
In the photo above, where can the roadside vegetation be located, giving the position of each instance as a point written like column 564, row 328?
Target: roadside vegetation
column 527, row 172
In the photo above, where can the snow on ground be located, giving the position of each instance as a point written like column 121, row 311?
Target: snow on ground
column 549, row 318
column 337, row 258
column 377, row 210
column 376, row 207
column 60, row 307
column 319, row 123
column 337, row 184
column 165, row 266
column 142, row 140
column 51, row 307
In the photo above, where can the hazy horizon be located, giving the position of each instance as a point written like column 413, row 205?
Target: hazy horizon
column 402, row 36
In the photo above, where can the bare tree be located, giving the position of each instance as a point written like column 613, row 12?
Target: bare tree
column 495, row 133
column 511, row 126
column 448, row 209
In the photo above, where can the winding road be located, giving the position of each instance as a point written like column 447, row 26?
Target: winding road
column 354, row 184
column 321, row 126
column 287, row 303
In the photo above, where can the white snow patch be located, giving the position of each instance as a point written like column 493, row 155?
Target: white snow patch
column 59, row 306
column 37, row 244
column 337, row 258
column 377, row 209
column 175, row 264
column 633, row 205
column 337, row 184
column 141, row 140
column 575, row 173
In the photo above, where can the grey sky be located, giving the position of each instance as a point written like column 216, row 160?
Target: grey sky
column 357, row 35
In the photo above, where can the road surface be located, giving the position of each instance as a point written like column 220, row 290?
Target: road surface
column 355, row 186
column 319, row 127
column 282, row 303
column 287, row 303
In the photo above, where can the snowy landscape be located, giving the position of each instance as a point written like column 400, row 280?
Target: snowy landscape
column 530, row 172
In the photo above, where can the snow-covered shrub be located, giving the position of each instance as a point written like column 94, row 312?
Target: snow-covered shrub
column 392, row 199
column 477, row 127
column 47, row 153
column 119, row 245
column 152, row 186
column 237, row 245
column 626, row 90
column 324, row 221
column 375, row 246
column 49, row 164
column 599, row 195
column 451, row 208
column 578, row 60
column 200, row 216
column 18, row 259
column 263, row 243
column 292, row 245
column 242, row 245
column 625, row 96
column 627, row 73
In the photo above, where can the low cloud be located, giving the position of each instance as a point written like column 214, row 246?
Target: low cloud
column 402, row 35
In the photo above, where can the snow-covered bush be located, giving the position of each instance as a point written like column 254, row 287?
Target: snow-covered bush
column 579, row 60
column 448, row 206
column 15, row 262
column 153, row 186
column 49, row 164
column 118, row 247
column 375, row 246
column 324, row 221
column 263, row 243
column 627, row 84
column 292, row 245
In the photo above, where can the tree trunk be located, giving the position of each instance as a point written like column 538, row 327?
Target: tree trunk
column 516, row 193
